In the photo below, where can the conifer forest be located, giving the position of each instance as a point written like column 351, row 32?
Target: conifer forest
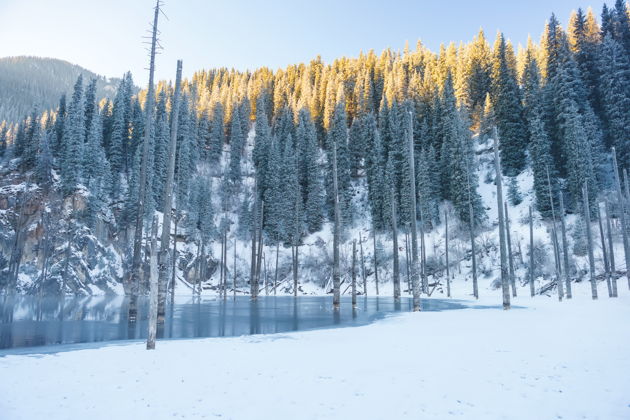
column 485, row 174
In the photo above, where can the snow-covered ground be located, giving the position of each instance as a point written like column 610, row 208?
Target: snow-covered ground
column 541, row 360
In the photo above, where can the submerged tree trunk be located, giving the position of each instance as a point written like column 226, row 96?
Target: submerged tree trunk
column 471, row 228
column 613, row 273
column 256, row 280
column 174, row 263
column 234, row 273
column 396, row 272
column 153, row 287
column 336, row 234
column 504, row 277
column 565, row 249
column 589, row 237
column 448, row 274
column 150, row 99
column 375, row 260
column 164, row 256
column 252, row 271
column 354, row 274
column 622, row 214
column 554, row 238
column 509, row 250
column 532, row 289
column 407, row 262
column 604, row 250
column 362, row 265
column 275, row 277
column 414, row 237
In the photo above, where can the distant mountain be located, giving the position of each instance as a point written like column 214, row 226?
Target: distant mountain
column 26, row 82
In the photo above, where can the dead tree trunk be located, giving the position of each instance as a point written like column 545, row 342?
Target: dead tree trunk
column 354, row 274
column 565, row 249
column 448, row 274
column 509, row 250
column 174, row 263
column 362, row 265
column 471, row 228
column 504, row 277
column 336, row 233
column 613, row 273
column 396, row 272
column 153, row 288
column 252, row 271
column 234, row 273
column 414, row 232
column 604, row 250
column 375, row 260
column 622, row 214
column 164, row 256
column 554, row 238
column 589, row 237
column 256, row 280
column 407, row 262
column 275, row 276
column 532, row 289
column 150, row 99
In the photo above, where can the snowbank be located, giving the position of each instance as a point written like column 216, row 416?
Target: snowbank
column 542, row 359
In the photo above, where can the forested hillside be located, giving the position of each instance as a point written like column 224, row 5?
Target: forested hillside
column 27, row 82
column 259, row 155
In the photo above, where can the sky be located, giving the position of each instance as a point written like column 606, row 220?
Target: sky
column 106, row 37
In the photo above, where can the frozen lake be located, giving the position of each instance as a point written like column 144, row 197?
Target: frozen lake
column 31, row 322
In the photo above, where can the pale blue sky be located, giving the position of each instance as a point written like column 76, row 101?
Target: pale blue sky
column 106, row 36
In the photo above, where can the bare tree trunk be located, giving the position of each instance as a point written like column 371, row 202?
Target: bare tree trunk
column 622, row 213
column 275, row 276
column 222, row 265
column 423, row 256
column 150, row 99
column 471, row 228
column 266, row 284
column 504, row 277
column 448, row 274
column 565, row 248
column 354, row 274
column 164, row 256
column 336, row 233
column 375, row 259
column 509, row 249
column 362, row 264
column 252, row 272
column 589, row 237
column 225, row 263
column 174, row 264
column 295, row 270
column 256, row 281
column 153, row 288
column 604, row 251
column 407, row 261
column 532, row 289
column 612, row 251
column 414, row 233
column 396, row 272
column 554, row 238
column 234, row 273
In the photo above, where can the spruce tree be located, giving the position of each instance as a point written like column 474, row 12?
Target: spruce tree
column 309, row 173
column 217, row 134
column 72, row 141
column 237, row 142
column 338, row 135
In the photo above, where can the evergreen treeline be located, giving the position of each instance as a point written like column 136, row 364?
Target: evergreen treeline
column 558, row 108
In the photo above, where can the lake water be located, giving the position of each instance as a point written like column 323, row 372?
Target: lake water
column 28, row 322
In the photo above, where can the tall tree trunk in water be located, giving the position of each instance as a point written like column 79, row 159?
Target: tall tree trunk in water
column 354, row 274
column 613, row 273
column 164, row 256
column 448, row 274
column 252, row 271
column 414, row 233
column 554, row 238
column 407, row 261
column 395, row 246
column 153, row 287
column 234, row 273
column 532, row 289
column 336, row 233
column 622, row 214
column 275, row 276
column 362, row 265
column 222, row 265
column 295, row 269
column 259, row 253
column 471, row 228
column 565, row 248
column 174, row 263
column 375, row 259
column 604, row 251
column 589, row 237
column 423, row 255
column 225, row 265
column 137, row 238
column 509, row 250
column 504, row 277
